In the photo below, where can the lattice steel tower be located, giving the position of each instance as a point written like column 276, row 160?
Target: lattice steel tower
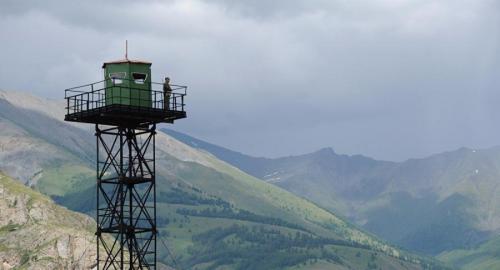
column 125, row 108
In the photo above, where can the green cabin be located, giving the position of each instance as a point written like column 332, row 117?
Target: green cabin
column 128, row 82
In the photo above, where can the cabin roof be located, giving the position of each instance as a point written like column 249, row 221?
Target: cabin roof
column 122, row 61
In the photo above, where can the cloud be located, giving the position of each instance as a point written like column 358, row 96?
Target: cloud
column 387, row 78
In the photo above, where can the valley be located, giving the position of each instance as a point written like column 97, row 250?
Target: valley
column 211, row 214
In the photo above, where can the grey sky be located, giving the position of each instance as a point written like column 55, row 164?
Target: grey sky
column 391, row 79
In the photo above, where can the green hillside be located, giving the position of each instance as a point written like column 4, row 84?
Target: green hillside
column 223, row 217
column 483, row 257
column 429, row 205
column 212, row 215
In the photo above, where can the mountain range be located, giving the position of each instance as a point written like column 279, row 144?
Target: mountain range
column 211, row 214
column 432, row 205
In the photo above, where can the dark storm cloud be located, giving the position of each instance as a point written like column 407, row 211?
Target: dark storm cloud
column 387, row 78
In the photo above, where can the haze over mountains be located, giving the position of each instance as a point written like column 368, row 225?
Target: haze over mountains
column 432, row 205
column 213, row 215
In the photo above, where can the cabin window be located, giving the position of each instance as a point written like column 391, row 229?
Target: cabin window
column 117, row 77
column 139, row 78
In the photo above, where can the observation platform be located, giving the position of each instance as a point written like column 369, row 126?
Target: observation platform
column 115, row 103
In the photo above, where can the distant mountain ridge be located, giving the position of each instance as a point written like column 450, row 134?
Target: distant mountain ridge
column 430, row 205
column 255, row 166
column 213, row 215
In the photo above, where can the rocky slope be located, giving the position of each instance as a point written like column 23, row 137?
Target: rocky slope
column 35, row 233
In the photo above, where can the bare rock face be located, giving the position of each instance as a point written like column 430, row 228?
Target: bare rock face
column 37, row 234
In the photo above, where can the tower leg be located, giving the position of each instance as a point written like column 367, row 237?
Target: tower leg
column 126, row 198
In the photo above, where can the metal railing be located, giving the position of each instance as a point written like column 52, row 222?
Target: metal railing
column 148, row 96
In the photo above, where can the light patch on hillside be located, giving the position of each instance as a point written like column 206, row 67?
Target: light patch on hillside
column 53, row 108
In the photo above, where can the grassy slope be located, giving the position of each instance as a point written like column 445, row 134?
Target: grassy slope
column 189, row 185
column 452, row 196
column 247, row 224
column 483, row 257
column 288, row 204
column 76, row 175
column 242, row 191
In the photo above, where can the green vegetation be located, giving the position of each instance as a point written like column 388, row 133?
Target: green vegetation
column 482, row 257
column 211, row 234
column 429, row 205
column 262, row 248
column 431, row 227
column 9, row 228
column 200, row 196
column 178, row 196
column 205, row 231
column 77, row 177
column 220, row 218
column 229, row 213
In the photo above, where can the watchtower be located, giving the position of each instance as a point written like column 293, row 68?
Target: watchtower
column 125, row 108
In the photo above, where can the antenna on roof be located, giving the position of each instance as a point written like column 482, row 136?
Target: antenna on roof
column 126, row 49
